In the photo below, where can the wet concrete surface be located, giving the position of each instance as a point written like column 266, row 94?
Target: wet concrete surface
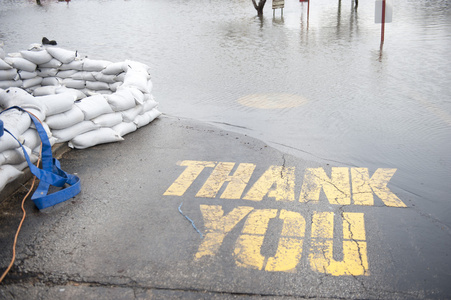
column 123, row 237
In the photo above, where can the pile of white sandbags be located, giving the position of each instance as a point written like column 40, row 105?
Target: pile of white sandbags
column 82, row 101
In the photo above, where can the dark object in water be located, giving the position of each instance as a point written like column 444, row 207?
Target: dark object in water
column 46, row 41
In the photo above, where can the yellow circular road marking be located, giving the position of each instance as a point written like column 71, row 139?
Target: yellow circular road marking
column 272, row 101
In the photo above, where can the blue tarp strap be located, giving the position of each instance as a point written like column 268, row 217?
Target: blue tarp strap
column 51, row 172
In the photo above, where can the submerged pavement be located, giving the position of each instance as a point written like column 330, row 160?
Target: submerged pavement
column 181, row 209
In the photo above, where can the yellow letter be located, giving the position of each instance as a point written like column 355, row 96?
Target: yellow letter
column 248, row 246
column 337, row 188
column 218, row 226
column 354, row 261
column 290, row 244
column 220, row 174
column 184, row 181
column 363, row 187
column 280, row 176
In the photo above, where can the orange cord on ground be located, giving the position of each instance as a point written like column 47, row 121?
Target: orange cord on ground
column 18, row 230
column 23, row 217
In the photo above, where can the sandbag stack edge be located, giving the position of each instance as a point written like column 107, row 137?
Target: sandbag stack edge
column 81, row 101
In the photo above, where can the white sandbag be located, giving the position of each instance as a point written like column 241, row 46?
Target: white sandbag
column 154, row 113
column 83, row 75
column 94, row 106
column 52, row 140
column 103, row 92
column 16, row 156
column 73, row 65
column 115, row 68
column 4, row 84
column 95, row 137
column 114, row 86
column 137, row 95
column 21, row 74
column 7, row 141
column 30, row 138
column 18, row 97
column 149, row 85
column 66, row 73
column 72, row 83
column 124, row 128
column 51, row 81
column 88, row 92
column 66, row 119
column 137, row 66
column 28, row 83
column 20, row 167
column 8, row 174
column 53, row 63
column 149, row 105
column 142, row 120
column 77, row 93
column 46, row 72
column 63, row 55
column 21, row 63
column 57, row 103
column 120, row 78
column 8, row 74
column 97, row 85
column 45, row 90
column 37, row 57
column 15, row 94
column 65, row 135
column 2, row 159
column 121, row 100
column 147, row 117
column 108, row 120
column 130, row 114
column 32, row 88
column 99, row 76
column 136, row 79
column 148, row 97
column 15, row 121
column 94, row 65
column 4, row 65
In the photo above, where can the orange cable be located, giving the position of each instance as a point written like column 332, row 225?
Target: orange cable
column 24, row 215
column 18, row 230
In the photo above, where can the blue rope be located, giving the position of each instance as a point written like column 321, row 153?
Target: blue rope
column 192, row 223
column 51, row 173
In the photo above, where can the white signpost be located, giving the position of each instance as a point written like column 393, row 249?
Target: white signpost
column 277, row 4
column 382, row 14
column 378, row 12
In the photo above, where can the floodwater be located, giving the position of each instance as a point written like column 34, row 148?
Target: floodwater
column 319, row 87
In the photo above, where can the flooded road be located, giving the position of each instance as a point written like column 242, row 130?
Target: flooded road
column 339, row 97
column 320, row 88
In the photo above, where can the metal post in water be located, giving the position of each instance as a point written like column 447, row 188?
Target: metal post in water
column 383, row 23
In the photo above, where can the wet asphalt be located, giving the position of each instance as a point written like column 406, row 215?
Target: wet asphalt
column 127, row 236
